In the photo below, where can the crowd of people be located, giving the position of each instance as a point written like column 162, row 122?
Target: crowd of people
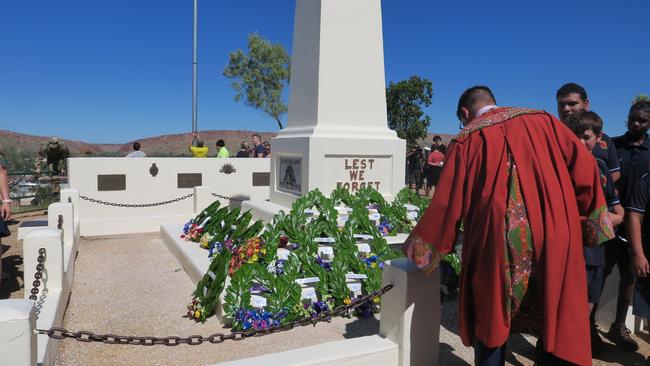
column 197, row 148
column 423, row 166
column 548, row 207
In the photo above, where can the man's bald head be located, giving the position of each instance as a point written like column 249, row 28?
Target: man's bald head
column 472, row 100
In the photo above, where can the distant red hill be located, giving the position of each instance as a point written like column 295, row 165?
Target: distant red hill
column 165, row 145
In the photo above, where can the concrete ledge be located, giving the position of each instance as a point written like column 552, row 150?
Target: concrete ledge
column 130, row 224
column 191, row 257
column 263, row 210
column 26, row 227
column 372, row 350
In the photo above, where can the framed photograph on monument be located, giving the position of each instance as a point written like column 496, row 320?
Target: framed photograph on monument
column 290, row 175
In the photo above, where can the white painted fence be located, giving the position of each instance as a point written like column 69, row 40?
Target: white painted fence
column 18, row 318
column 138, row 181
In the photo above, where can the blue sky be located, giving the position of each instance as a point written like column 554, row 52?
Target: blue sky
column 115, row 71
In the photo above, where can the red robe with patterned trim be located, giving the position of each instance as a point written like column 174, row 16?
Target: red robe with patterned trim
column 518, row 178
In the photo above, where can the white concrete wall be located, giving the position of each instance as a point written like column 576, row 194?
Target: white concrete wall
column 142, row 187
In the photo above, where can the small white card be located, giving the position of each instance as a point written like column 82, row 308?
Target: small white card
column 258, row 301
column 324, row 240
column 362, row 236
column 355, row 288
column 374, row 217
column 355, row 276
column 283, row 253
column 327, row 253
column 363, row 248
column 344, row 209
column 307, row 280
column 212, row 275
column 308, row 293
column 205, row 291
column 410, row 207
column 412, row 215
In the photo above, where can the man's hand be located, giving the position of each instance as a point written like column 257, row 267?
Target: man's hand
column 640, row 266
column 5, row 211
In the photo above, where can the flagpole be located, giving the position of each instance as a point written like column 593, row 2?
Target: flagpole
column 195, row 69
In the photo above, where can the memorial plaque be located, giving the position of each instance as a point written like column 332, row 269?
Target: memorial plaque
column 111, row 182
column 261, row 179
column 290, row 175
column 189, row 180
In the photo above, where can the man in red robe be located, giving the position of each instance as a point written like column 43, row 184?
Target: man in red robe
column 528, row 195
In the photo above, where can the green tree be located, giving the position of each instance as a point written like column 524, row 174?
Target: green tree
column 404, row 102
column 260, row 76
column 641, row 98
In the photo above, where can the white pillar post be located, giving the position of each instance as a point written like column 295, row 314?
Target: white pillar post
column 410, row 312
column 70, row 195
column 52, row 241
column 65, row 210
column 202, row 198
column 17, row 338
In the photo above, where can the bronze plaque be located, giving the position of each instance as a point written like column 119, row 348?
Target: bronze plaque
column 262, row 179
column 111, row 182
column 189, row 180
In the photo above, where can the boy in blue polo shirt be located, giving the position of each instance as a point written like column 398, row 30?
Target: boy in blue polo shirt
column 588, row 128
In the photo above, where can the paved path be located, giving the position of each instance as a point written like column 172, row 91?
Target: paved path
column 130, row 284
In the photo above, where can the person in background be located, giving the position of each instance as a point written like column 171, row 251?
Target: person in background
column 435, row 160
column 572, row 99
column 243, row 150
column 222, row 152
column 258, row 148
column 136, row 153
column 437, row 142
column 5, row 209
column 267, row 149
column 588, row 127
column 196, row 147
column 633, row 151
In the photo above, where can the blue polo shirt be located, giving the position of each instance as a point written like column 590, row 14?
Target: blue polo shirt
column 634, row 161
column 638, row 202
column 606, row 151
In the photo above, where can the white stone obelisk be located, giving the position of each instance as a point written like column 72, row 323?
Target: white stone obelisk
column 337, row 133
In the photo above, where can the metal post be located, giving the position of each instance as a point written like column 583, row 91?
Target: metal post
column 195, row 69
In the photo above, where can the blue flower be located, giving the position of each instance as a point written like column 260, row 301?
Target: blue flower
column 324, row 264
column 186, row 227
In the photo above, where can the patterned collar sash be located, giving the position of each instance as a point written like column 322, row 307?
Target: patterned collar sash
column 493, row 117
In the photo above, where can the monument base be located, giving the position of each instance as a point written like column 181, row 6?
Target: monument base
column 301, row 163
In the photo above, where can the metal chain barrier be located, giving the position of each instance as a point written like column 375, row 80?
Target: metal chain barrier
column 228, row 198
column 38, row 274
column 59, row 224
column 194, row 340
column 136, row 204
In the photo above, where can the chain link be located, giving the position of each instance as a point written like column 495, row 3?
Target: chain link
column 216, row 338
column 59, row 224
column 227, row 198
column 38, row 274
column 138, row 205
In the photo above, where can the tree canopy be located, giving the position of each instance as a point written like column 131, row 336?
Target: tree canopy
column 260, row 75
column 404, row 102
column 641, row 98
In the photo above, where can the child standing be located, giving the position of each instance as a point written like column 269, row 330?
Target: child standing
column 588, row 128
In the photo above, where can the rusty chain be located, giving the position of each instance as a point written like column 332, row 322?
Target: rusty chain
column 38, row 274
column 227, row 198
column 194, row 340
column 93, row 200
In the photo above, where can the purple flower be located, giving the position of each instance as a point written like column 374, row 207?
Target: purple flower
column 324, row 264
column 259, row 288
column 279, row 267
column 186, row 227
